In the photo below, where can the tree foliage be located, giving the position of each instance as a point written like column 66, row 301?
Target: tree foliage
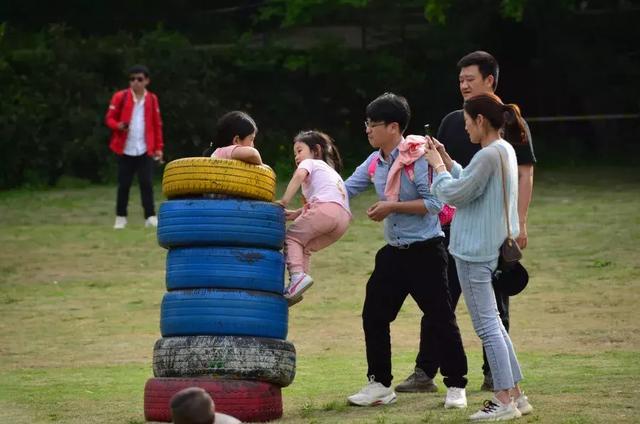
column 556, row 59
column 302, row 12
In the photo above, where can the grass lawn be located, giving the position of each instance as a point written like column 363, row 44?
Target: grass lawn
column 79, row 311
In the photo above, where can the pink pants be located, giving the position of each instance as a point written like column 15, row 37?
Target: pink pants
column 319, row 225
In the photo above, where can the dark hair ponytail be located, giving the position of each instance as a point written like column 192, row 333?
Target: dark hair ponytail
column 499, row 115
column 231, row 124
column 320, row 143
column 514, row 131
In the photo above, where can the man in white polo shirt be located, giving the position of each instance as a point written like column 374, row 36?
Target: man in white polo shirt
column 136, row 137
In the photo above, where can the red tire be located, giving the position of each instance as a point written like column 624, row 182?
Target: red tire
column 248, row 401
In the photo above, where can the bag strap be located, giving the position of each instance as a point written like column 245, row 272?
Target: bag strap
column 504, row 192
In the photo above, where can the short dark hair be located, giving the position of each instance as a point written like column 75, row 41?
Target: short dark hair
column 139, row 69
column 487, row 65
column 192, row 405
column 389, row 107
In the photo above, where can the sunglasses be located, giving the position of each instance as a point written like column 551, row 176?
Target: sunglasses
column 139, row 79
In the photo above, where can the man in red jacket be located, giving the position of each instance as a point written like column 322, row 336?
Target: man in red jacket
column 134, row 119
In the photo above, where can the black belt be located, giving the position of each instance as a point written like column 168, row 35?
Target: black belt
column 421, row 244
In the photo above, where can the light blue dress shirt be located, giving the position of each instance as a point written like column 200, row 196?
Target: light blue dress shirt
column 400, row 229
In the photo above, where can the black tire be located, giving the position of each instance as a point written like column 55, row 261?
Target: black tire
column 225, row 267
column 228, row 357
column 232, row 222
column 223, row 313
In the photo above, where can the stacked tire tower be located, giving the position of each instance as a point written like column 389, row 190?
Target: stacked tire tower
column 223, row 319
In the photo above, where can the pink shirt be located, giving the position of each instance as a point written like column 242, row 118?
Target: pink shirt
column 323, row 184
column 224, row 152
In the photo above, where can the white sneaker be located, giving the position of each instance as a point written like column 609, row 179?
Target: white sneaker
column 121, row 222
column 300, row 282
column 373, row 394
column 494, row 410
column 456, row 398
column 152, row 221
column 523, row 405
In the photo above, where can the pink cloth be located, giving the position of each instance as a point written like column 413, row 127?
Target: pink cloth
column 410, row 149
column 323, row 184
column 320, row 225
column 224, row 152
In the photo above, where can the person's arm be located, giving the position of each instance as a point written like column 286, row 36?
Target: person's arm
column 359, row 181
column 441, row 140
column 525, row 188
column 448, row 162
column 292, row 214
column 112, row 118
column 247, row 154
column 472, row 181
column 381, row 209
column 293, row 187
column 157, row 122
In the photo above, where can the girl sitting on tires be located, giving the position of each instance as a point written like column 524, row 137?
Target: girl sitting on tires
column 325, row 216
column 235, row 134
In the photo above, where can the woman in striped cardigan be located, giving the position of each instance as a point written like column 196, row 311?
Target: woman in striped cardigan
column 479, row 229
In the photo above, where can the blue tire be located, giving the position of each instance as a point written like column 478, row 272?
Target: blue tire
column 230, row 222
column 225, row 267
column 208, row 312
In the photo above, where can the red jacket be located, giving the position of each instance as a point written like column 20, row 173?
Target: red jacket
column 120, row 110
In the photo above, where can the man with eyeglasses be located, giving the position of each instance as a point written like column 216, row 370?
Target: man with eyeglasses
column 413, row 261
column 136, row 137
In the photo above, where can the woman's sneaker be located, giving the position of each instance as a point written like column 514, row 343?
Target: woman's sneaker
column 523, row 405
column 299, row 283
column 494, row 410
column 373, row 394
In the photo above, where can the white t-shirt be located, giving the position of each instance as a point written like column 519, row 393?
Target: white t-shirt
column 323, row 184
column 136, row 144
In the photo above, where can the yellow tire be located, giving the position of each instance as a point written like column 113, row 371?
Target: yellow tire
column 202, row 175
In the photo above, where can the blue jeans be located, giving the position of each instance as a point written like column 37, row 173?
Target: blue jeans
column 475, row 282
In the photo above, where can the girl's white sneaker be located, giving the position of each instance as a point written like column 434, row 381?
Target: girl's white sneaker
column 300, row 282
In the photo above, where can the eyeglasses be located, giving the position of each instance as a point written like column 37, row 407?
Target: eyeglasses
column 369, row 124
column 139, row 79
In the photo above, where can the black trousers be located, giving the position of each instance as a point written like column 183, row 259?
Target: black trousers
column 420, row 271
column 427, row 358
column 128, row 166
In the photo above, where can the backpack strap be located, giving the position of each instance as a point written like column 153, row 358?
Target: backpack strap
column 373, row 165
